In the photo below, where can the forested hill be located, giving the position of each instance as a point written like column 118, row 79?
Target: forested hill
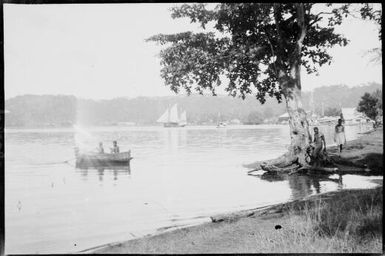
column 60, row 110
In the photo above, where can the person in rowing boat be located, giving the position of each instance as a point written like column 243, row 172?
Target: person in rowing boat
column 115, row 148
column 100, row 148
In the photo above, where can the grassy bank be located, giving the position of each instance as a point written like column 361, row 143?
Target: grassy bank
column 347, row 221
column 364, row 154
column 343, row 222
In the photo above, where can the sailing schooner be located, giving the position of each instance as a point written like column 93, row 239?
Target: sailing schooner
column 170, row 117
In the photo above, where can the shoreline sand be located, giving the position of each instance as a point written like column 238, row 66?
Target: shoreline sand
column 257, row 230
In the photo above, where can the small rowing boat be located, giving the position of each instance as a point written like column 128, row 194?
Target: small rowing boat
column 103, row 159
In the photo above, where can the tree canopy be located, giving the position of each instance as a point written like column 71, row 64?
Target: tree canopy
column 260, row 48
column 253, row 45
column 371, row 104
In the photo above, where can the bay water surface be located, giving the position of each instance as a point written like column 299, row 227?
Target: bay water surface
column 178, row 177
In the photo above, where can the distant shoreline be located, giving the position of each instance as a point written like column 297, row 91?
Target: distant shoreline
column 161, row 126
column 63, row 110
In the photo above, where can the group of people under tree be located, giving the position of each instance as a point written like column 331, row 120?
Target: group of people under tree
column 114, row 149
column 319, row 142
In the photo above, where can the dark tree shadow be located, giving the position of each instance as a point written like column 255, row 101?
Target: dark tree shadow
column 301, row 185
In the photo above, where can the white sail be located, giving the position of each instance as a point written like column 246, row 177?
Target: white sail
column 173, row 117
column 183, row 118
column 164, row 118
column 170, row 117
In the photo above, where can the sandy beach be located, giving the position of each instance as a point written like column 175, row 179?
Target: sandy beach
column 347, row 221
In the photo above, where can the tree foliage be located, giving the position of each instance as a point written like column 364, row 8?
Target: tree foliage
column 253, row 45
column 369, row 12
column 332, row 111
column 369, row 105
column 255, row 117
column 378, row 95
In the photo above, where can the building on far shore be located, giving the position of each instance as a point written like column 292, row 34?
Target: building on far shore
column 284, row 118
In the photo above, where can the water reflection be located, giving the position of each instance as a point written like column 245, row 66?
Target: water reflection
column 100, row 171
column 175, row 138
column 175, row 173
column 303, row 185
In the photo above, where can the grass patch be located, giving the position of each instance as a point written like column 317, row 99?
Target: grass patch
column 338, row 222
column 349, row 221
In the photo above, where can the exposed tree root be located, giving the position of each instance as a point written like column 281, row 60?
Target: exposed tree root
column 352, row 168
column 289, row 163
column 283, row 161
column 273, row 168
column 319, row 169
column 348, row 162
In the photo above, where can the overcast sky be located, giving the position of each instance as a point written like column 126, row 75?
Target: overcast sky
column 99, row 52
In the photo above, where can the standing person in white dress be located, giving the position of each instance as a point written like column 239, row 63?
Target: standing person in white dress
column 339, row 135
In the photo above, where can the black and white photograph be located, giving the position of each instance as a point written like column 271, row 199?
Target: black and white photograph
column 191, row 128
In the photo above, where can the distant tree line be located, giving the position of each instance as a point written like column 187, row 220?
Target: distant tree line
column 60, row 110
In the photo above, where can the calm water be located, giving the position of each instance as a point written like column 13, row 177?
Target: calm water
column 178, row 177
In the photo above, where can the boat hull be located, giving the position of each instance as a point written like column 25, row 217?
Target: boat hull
column 95, row 160
column 167, row 125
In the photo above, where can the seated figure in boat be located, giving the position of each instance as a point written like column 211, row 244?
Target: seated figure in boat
column 100, row 148
column 115, row 148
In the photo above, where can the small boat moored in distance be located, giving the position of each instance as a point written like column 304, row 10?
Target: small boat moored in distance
column 103, row 159
column 221, row 125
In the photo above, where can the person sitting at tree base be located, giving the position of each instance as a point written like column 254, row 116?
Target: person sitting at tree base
column 319, row 146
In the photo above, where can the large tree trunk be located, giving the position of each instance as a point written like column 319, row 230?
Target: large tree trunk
column 299, row 126
column 289, row 79
column 291, row 87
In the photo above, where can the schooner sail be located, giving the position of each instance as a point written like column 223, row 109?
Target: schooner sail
column 183, row 118
column 170, row 117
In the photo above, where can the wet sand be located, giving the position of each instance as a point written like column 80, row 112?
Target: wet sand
column 272, row 229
